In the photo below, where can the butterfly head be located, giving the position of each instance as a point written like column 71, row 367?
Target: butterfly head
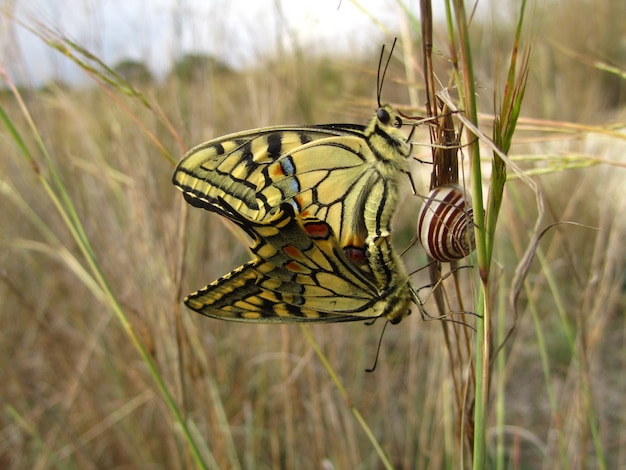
column 388, row 117
column 386, row 137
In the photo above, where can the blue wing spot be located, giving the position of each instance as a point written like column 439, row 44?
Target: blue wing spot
column 288, row 167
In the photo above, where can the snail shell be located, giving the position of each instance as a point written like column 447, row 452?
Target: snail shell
column 445, row 225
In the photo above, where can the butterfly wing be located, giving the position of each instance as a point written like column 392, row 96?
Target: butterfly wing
column 335, row 172
column 233, row 168
column 346, row 175
column 300, row 274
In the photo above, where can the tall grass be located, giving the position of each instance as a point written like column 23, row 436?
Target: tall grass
column 102, row 367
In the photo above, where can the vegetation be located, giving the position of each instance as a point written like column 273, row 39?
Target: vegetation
column 102, row 367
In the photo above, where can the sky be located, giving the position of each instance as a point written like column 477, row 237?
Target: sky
column 157, row 31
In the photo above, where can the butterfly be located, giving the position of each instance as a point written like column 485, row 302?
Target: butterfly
column 344, row 176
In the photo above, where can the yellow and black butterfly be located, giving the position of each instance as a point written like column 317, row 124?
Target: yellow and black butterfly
column 344, row 176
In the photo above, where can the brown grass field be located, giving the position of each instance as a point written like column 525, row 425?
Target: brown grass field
column 102, row 366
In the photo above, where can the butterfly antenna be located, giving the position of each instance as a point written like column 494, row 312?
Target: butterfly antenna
column 380, row 78
column 380, row 342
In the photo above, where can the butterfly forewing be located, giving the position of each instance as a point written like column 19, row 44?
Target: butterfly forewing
column 315, row 168
column 235, row 167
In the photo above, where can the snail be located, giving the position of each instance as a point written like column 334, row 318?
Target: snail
column 445, row 224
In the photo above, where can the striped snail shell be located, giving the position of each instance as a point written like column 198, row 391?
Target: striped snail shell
column 445, row 224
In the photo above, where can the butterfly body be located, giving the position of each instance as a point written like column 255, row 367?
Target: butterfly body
column 342, row 179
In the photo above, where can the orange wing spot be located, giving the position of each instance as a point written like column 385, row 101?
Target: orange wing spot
column 277, row 170
column 292, row 251
column 294, row 267
column 355, row 255
column 317, row 230
column 298, row 201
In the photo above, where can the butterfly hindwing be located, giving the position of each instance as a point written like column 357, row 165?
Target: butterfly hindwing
column 300, row 274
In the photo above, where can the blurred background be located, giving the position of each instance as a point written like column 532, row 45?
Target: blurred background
column 100, row 99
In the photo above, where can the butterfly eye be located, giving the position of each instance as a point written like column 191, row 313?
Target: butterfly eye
column 383, row 116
